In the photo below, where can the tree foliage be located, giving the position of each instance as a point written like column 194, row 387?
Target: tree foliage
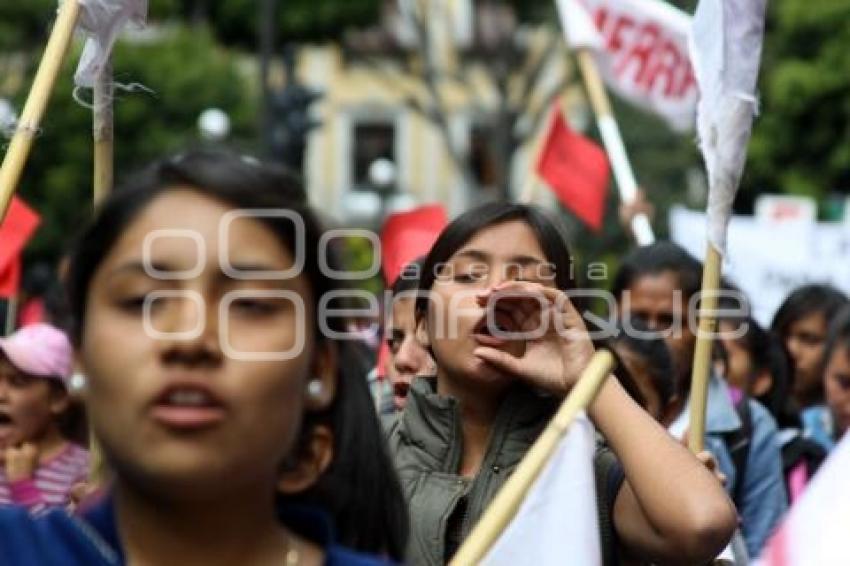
column 236, row 22
column 801, row 141
column 24, row 24
column 187, row 73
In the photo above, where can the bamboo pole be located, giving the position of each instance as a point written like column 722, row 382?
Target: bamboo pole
column 613, row 141
column 102, row 133
column 102, row 130
column 702, row 353
column 507, row 502
column 36, row 104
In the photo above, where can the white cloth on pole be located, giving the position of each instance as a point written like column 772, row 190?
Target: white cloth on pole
column 102, row 21
column 726, row 52
column 557, row 522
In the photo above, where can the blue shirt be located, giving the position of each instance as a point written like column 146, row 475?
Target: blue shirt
column 817, row 426
column 763, row 500
column 58, row 538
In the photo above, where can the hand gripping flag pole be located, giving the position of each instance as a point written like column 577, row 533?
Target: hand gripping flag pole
column 510, row 497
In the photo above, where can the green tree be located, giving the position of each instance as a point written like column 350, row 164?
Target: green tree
column 235, row 21
column 23, row 25
column 801, row 140
column 185, row 70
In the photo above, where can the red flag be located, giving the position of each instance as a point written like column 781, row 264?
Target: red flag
column 408, row 235
column 15, row 230
column 577, row 170
column 10, row 279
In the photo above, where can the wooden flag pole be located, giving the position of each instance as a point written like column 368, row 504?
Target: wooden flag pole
column 613, row 141
column 507, row 502
column 102, row 130
column 36, row 104
column 102, row 133
column 702, row 353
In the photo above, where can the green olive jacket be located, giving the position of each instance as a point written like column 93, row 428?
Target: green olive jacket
column 426, row 445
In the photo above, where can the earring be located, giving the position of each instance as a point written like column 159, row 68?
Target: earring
column 315, row 389
column 77, row 383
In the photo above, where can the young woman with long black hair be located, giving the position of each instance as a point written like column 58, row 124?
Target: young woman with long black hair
column 497, row 270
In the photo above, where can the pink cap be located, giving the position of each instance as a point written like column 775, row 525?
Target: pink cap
column 42, row 350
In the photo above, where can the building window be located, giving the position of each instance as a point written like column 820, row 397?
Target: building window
column 371, row 140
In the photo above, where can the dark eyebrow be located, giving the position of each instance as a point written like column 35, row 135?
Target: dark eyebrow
column 137, row 267
column 248, row 268
column 524, row 260
column 473, row 254
column 479, row 255
column 247, row 276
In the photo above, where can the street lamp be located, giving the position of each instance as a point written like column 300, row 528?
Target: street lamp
column 214, row 124
column 382, row 175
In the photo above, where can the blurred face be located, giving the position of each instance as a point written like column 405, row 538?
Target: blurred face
column 837, row 387
column 654, row 299
column 805, row 343
column 739, row 367
column 456, row 323
column 408, row 358
column 180, row 414
column 28, row 406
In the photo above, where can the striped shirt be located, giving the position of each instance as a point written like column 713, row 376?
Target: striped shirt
column 51, row 483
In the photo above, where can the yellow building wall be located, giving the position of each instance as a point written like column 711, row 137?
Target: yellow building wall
column 424, row 168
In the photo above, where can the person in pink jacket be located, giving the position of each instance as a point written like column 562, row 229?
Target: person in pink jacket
column 38, row 465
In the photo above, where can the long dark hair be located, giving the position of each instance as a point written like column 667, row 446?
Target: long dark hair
column 767, row 354
column 657, row 258
column 838, row 336
column 804, row 301
column 371, row 520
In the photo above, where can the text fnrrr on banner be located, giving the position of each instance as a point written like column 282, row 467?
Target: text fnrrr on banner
column 645, row 56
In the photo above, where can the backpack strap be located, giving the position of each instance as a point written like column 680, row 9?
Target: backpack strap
column 738, row 443
column 800, row 453
column 609, row 477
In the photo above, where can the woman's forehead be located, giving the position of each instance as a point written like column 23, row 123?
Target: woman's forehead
column 513, row 240
column 183, row 225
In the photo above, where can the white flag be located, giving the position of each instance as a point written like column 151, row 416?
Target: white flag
column 102, row 21
column 557, row 522
column 726, row 52
column 578, row 27
column 641, row 48
column 815, row 532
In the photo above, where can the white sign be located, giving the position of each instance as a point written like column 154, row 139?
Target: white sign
column 767, row 263
column 645, row 56
column 782, row 209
